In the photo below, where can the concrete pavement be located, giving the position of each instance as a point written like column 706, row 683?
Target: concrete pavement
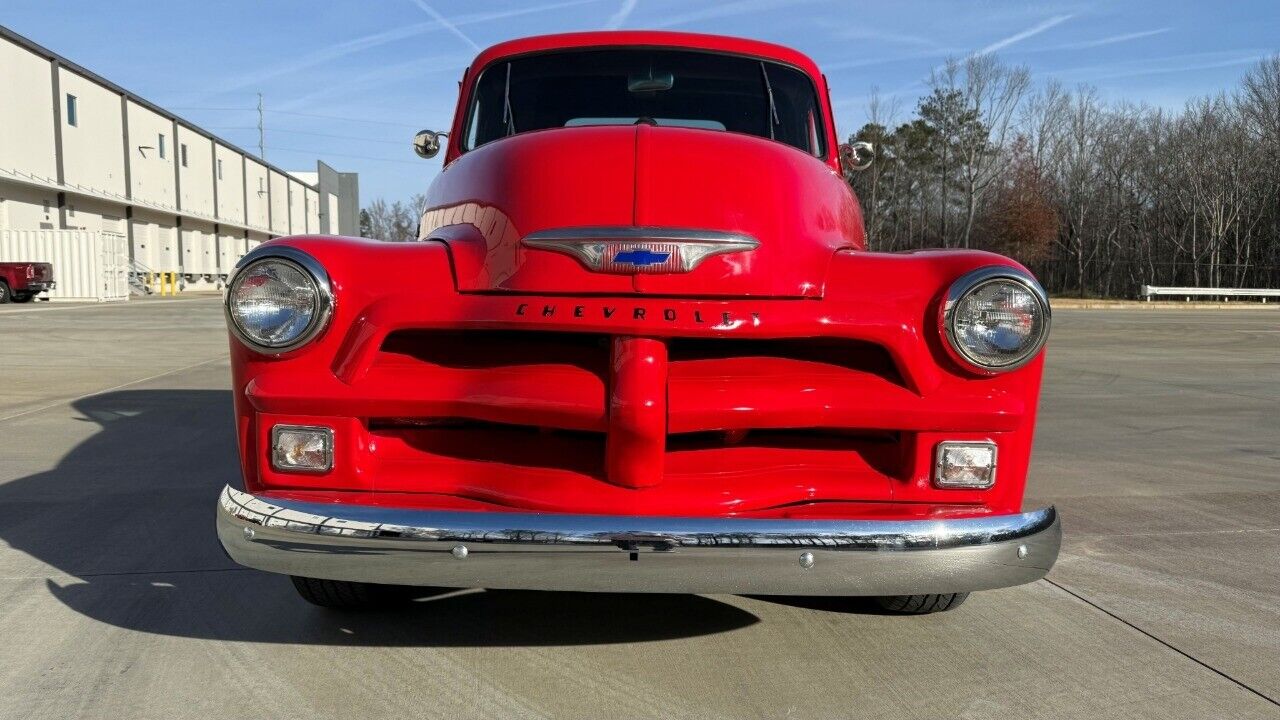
column 1158, row 441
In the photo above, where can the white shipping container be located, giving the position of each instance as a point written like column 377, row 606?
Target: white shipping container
column 86, row 265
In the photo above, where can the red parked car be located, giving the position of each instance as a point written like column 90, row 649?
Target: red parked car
column 640, row 347
column 22, row 281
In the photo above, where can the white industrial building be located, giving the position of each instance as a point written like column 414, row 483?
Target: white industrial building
column 111, row 188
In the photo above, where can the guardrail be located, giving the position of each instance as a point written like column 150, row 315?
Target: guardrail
column 1150, row 291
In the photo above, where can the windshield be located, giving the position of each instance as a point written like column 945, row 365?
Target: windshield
column 678, row 88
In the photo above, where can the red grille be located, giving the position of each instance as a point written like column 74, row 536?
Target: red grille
column 565, row 471
column 535, row 419
column 551, row 380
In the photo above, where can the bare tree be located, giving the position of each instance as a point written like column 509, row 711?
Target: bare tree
column 993, row 92
column 881, row 115
column 1259, row 104
column 1078, row 179
column 1043, row 122
column 396, row 222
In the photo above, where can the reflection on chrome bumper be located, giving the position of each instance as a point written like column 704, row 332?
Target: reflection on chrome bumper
column 636, row 554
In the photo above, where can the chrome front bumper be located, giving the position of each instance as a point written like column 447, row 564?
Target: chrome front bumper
column 636, row 554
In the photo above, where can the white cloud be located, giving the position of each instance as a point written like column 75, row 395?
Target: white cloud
column 861, row 33
column 887, row 59
column 329, row 54
column 411, row 71
column 724, row 10
column 1163, row 65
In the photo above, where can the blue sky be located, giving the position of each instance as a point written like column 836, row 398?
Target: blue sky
column 349, row 82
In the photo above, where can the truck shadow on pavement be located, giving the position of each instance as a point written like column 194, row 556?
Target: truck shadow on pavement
column 127, row 516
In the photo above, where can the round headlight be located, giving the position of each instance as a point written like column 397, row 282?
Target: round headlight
column 996, row 319
column 279, row 301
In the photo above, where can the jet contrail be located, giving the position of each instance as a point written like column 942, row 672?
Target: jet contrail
column 446, row 23
column 1029, row 32
column 1111, row 40
column 366, row 42
column 616, row 20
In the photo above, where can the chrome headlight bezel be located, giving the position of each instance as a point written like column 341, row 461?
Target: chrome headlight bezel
column 973, row 281
column 323, row 306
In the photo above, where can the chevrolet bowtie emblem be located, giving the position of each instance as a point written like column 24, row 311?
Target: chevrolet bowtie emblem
column 640, row 257
column 630, row 250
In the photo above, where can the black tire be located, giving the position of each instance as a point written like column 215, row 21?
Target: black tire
column 4, row 292
column 921, row 604
column 22, row 297
column 345, row 595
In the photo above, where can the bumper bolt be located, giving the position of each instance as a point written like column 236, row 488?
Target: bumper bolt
column 459, row 551
column 806, row 560
column 248, row 533
column 1022, row 551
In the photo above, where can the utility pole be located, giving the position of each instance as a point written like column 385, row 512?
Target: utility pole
column 262, row 136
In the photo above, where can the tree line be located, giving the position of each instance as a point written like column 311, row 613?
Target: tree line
column 394, row 222
column 1097, row 198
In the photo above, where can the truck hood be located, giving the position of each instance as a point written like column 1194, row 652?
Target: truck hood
column 484, row 205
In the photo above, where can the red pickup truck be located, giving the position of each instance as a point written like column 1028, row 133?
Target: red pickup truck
column 22, row 281
column 640, row 346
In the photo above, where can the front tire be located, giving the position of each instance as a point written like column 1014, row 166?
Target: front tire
column 346, row 595
column 921, row 604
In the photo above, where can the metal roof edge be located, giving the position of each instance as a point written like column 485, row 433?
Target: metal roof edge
column 34, row 47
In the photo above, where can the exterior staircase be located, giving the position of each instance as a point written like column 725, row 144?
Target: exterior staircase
column 140, row 277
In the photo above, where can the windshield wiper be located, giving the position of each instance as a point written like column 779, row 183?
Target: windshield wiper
column 508, row 117
column 773, row 108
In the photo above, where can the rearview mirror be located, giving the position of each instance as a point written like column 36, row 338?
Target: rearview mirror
column 650, row 83
column 858, row 156
column 427, row 143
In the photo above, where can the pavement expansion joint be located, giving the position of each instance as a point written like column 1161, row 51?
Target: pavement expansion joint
column 1165, row 643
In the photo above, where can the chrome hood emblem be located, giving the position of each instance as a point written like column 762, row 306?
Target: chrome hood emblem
column 630, row 250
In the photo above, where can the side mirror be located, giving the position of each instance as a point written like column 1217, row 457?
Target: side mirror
column 858, row 156
column 427, row 143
